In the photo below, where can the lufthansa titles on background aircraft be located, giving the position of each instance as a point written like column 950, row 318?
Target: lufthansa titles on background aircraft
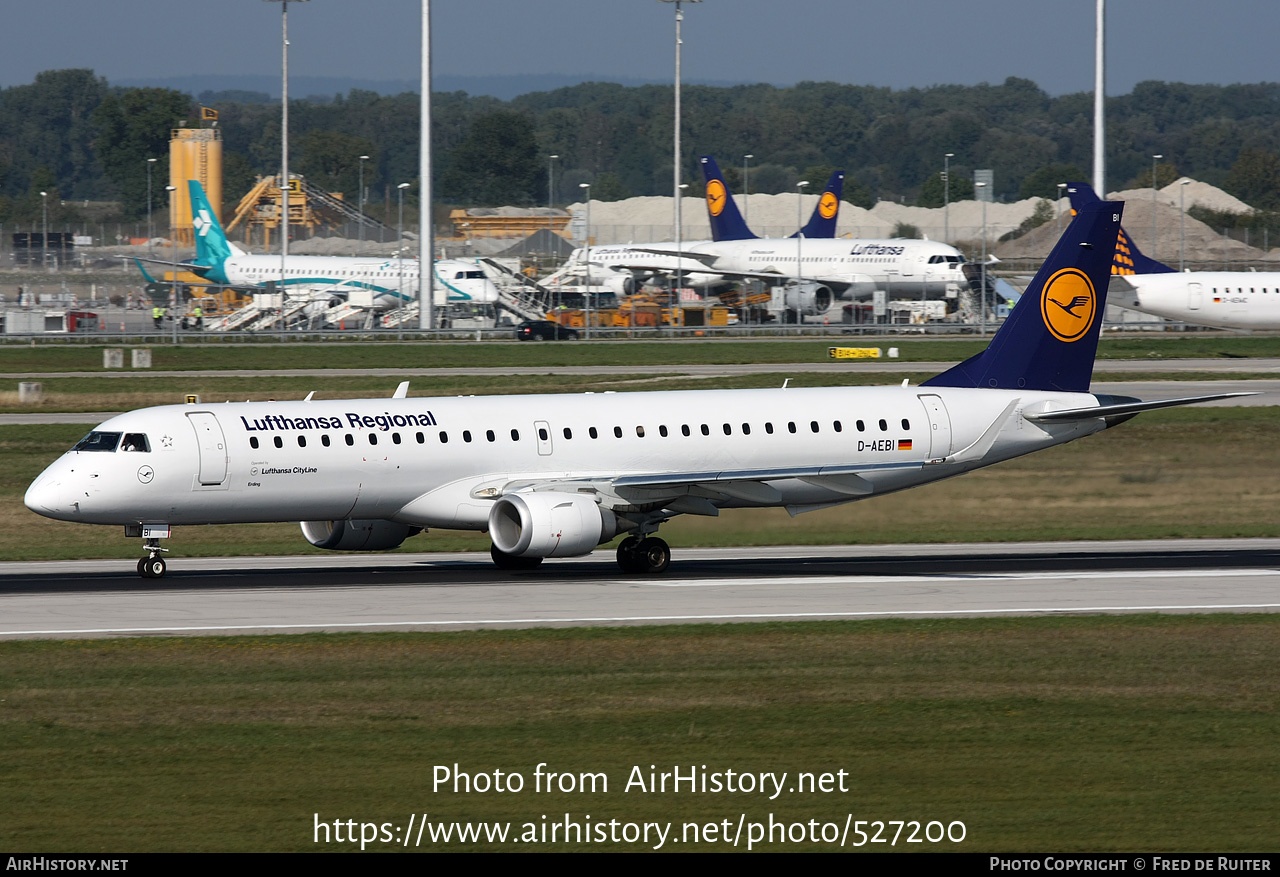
column 715, row 197
column 1068, row 304
column 273, row 422
column 827, row 204
column 876, row 250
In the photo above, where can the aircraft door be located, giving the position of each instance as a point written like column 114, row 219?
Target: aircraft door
column 213, row 447
column 939, row 426
column 1194, row 293
column 543, row 431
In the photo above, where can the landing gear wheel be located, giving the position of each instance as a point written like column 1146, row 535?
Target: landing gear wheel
column 151, row 567
column 627, row 554
column 509, row 561
column 653, row 555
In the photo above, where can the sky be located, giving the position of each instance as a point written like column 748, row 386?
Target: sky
column 894, row 43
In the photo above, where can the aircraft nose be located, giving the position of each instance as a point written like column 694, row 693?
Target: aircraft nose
column 42, row 496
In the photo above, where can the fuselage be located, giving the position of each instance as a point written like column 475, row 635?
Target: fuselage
column 440, row 462
column 854, row 268
column 1225, row 299
column 393, row 282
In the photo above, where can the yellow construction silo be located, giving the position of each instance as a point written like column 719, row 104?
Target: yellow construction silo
column 194, row 154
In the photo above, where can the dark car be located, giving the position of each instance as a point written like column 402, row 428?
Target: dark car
column 544, row 330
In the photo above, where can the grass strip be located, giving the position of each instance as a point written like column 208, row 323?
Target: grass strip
column 58, row 357
column 1121, row 733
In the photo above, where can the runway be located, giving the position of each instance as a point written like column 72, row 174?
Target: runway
column 220, row 596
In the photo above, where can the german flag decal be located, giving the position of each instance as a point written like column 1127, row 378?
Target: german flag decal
column 904, row 444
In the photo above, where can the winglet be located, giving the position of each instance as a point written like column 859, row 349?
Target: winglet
column 1050, row 340
column 145, row 274
column 1128, row 258
column 726, row 222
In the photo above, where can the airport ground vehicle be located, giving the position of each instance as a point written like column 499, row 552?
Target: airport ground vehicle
column 544, row 330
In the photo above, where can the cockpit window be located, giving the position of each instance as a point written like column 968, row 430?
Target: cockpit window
column 135, row 441
column 98, row 441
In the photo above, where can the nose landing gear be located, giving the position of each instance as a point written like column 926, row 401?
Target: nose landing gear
column 152, row 566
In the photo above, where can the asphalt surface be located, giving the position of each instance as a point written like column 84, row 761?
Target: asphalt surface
column 208, row 596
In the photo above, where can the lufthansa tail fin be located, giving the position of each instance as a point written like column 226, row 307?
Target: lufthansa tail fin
column 212, row 246
column 726, row 222
column 1128, row 258
column 822, row 224
column 1050, row 340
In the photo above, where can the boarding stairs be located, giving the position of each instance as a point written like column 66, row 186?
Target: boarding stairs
column 345, row 312
column 525, row 298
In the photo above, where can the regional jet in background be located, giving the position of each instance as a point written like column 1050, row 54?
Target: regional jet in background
column 1224, row 299
column 556, row 475
column 393, row 282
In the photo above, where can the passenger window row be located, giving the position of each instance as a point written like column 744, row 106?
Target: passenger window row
column 491, row 436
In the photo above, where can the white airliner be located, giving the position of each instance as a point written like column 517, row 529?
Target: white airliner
column 393, row 282
column 818, row 269
column 557, row 475
column 1225, row 299
column 614, row 267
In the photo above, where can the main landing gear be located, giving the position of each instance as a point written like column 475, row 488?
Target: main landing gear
column 152, row 566
column 649, row 555
column 646, row 555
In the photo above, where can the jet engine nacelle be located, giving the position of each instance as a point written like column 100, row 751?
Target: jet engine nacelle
column 617, row 282
column 351, row 535
column 807, row 297
column 549, row 524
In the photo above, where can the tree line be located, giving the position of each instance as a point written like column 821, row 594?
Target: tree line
column 73, row 135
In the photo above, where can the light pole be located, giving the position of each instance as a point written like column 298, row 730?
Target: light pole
column 675, row 186
column 363, row 159
column 44, row 235
column 982, row 296
column 150, row 231
column 946, row 196
column 1057, row 209
column 551, row 199
column 173, row 268
column 746, row 188
column 1155, row 190
column 284, row 129
column 799, row 239
column 586, row 255
column 1182, row 224
column 400, row 239
column 679, row 250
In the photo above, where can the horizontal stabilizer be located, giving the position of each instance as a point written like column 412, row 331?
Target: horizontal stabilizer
column 1124, row 409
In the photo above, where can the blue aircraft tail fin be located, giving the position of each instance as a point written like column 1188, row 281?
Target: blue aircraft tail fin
column 726, row 222
column 212, row 246
column 1128, row 258
column 1050, row 340
column 822, row 224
